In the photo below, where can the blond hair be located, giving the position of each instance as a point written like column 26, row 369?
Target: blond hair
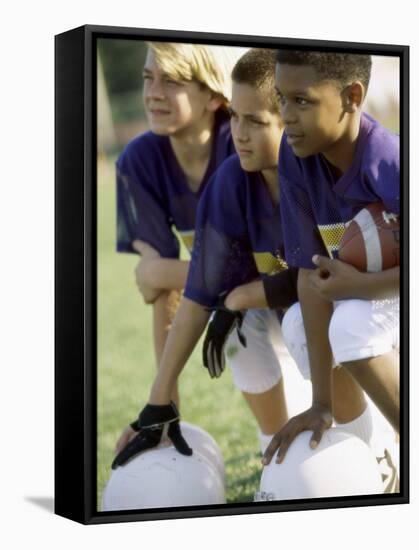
column 211, row 66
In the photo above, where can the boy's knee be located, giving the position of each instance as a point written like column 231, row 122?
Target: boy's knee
column 293, row 327
column 256, row 368
column 295, row 340
column 348, row 320
column 356, row 333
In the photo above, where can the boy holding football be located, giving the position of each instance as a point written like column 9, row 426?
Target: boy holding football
column 334, row 161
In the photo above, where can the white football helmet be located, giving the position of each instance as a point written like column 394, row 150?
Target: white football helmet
column 162, row 477
column 341, row 465
column 205, row 444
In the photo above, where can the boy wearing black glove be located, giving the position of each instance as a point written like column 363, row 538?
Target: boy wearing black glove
column 278, row 291
column 222, row 323
column 155, row 422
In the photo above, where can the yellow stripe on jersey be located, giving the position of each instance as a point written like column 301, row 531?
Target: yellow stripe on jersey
column 187, row 238
column 268, row 264
column 332, row 235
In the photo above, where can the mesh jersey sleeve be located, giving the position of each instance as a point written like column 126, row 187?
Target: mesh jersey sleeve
column 221, row 258
column 302, row 238
column 142, row 209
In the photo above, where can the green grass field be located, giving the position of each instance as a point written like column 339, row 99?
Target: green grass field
column 126, row 367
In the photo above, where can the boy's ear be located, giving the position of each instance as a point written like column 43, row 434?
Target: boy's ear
column 215, row 102
column 353, row 96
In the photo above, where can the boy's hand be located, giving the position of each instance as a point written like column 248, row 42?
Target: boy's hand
column 154, row 423
column 149, row 293
column 126, row 436
column 222, row 323
column 317, row 419
column 335, row 280
column 148, row 254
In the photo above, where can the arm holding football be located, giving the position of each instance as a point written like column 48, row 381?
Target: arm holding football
column 381, row 285
column 371, row 244
column 337, row 280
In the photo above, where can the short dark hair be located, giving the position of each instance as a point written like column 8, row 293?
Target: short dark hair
column 343, row 68
column 257, row 68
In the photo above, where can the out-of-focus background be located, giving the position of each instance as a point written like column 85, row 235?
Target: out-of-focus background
column 126, row 363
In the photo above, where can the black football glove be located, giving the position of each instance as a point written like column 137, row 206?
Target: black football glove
column 222, row 322
column 153, row 423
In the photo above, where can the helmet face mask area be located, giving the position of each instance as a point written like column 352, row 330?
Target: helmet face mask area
column 200, row 173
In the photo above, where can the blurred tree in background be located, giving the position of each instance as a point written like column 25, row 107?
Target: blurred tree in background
column 123, row 62
column 120, row 66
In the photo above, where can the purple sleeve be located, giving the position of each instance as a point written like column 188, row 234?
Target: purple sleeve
column 382, row 167
column 142, row 210
column 301, row 235
column 221, row 256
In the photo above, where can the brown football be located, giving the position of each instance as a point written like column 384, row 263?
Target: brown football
column 371, row 241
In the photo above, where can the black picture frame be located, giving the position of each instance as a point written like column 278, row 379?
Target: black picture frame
column 76, row 273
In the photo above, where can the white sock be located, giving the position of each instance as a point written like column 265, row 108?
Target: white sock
column 362, row 426
column 264, row 440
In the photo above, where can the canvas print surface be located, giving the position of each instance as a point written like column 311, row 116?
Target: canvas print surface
column 233, row 367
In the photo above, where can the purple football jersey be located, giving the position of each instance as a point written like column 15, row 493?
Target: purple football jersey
column 238, row 234
column 153, row 195
column 315, row 207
